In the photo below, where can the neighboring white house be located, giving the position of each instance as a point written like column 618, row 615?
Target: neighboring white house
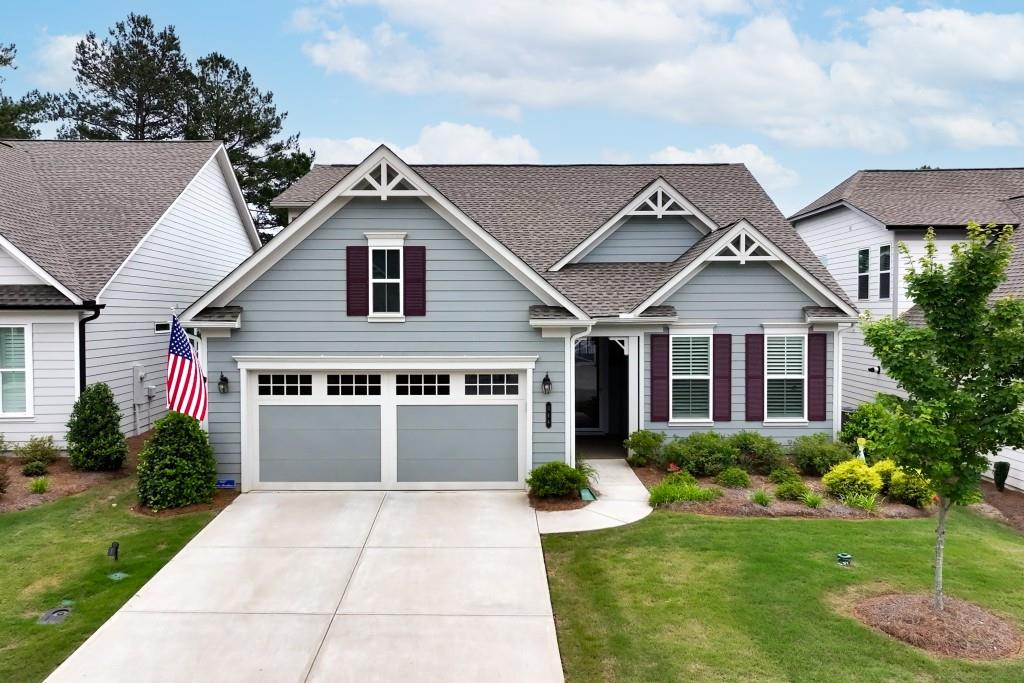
column 855, row 229
column 98, row 241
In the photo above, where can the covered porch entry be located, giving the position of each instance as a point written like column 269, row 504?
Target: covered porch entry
column 607, row 393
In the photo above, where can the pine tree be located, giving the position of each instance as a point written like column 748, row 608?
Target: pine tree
column 19, row 117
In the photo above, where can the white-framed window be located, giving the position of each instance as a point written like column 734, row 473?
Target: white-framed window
column 885, row 271
column 690, row 387
column 785, row 377
column 387, row 269
column 864, row 274
column 15, row 370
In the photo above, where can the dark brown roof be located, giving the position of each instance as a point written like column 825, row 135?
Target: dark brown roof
column 542, row 212
column 941, row 197
column 32, row 296
column 78, row 208
column 218, row 314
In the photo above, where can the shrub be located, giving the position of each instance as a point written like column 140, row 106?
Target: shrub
column 852, row 477
column 95, row 441
column 816, row 454
column 812, row 500
column 586, row 470
column 885, row 469
column 34, row 468
column 3, row 444
column 644, row 446
column 5, row 480
column 682, row 492
column 701, row 453
column 176, row 467
column 757, row 453
column 39, row 485
column 680, row 477
column 762, row 498
column 791, row 490
column 911, row 488
column 555, row 479
column 780, row 475
column 37, row 449
column 862, row 501
column 867, row 421
column 733, row 478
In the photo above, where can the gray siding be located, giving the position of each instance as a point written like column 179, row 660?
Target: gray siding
column 739, row 298
column 195, row 244
column 443, row 443
column 473, row 307
column 646, row 239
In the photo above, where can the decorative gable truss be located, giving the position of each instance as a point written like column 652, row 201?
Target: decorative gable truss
column 742, row 248
column 659, row 203
column 384, row 180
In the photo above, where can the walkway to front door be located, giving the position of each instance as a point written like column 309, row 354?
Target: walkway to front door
column 339, row 586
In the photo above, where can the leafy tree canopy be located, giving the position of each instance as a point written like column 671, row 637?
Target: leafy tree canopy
column 19, row 117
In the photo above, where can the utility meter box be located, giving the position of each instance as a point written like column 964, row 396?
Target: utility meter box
column 140, row 391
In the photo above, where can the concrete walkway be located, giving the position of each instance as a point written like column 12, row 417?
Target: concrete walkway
column 341, row 586
column 622, row 499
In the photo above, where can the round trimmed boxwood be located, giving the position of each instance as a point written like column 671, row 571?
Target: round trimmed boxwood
column 793, row 489
column 852, row 477
column 34, row 468
column 733, row 478
column 176, row 467
column 95, row 441
column 555, row 480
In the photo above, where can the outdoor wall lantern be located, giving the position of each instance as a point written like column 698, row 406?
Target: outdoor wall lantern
column 545, row 384
column 222, row 384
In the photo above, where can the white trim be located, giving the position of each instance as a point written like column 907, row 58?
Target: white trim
column 692, row 329
column 824, row 294
column 776, row 330
column 384, row 239
column 636, row 208
column 837, row 380
column 22, row 258
column 559, row 322
column 835, row 205
column 78, row 358
column 333, row 200
column 385, row 363
column 884, row 272
column 570, row 394
column 241, row 206
column 784, row 329
column 386, row 246
column 29, row 411
column 672, row 376
column 634, row 394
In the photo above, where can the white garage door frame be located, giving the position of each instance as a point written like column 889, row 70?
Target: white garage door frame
column 387, row 366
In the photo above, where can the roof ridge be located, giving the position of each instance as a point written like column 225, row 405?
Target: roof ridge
column 589, row 165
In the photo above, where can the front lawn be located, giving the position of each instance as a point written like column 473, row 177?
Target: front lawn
column 681, row 597
column 57, row 551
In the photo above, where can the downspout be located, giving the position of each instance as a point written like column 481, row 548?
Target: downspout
column 95, row 308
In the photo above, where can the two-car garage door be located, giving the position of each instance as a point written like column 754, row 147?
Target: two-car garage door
column 386, row 429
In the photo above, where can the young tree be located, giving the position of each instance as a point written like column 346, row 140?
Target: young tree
column 963, row 372
column 19, row 117
column 224, row 104
column 127, row 86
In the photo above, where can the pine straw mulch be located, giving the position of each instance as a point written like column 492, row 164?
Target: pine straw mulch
column 1006, row 506
column 962, row 629
column 221, row 499
column 558, row 504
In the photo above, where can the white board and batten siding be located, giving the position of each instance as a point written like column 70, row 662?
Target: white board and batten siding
column 198, row 241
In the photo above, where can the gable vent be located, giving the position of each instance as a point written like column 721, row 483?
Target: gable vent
column 659, row 203
column 742, row 248
column 383, row 181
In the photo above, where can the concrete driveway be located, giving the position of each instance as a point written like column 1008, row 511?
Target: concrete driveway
column 341, row 586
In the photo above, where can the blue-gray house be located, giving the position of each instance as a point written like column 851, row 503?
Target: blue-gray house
column 453, row 326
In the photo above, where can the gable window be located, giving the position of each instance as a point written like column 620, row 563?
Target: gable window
column 863, row 274
column 785, row 377
column 884, row 271
column 690, row 389
column 13, row 371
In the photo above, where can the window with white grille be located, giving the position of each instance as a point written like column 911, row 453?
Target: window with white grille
column 285, row 385
column 422, row 385
column 691, row 377
column 785, row 377
column 353, row 385
column 493, row 384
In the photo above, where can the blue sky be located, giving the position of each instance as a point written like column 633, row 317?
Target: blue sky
column 803, row 92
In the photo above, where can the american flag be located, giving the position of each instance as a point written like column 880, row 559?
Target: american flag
column 186, row 385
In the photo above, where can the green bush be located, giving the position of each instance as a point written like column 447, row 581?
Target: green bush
column 812, row 500
column 791, row 490
column 861, row 501
column 39, row 485
column 644, row 446
column 757, row 453
column 555, row 480
column 867, row 421
column 885, row 469
column 176, row 467
column 911, row 488
column 852, row 477
column 37, row 449
column 762, row 498
column 780, row 475
column 680, row 477
column 5, row 480
column 733, row 478
column 95, row 441
column 34, row 468
column 816, row 454
column 701, row 453
column 682, row 492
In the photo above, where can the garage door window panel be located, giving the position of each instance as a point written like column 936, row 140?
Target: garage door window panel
column 492, row 384
column 422, row 384
column 353, row 385
column 285, row 384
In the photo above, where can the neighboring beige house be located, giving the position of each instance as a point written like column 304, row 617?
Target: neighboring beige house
column 98, row 240
column 855, row 229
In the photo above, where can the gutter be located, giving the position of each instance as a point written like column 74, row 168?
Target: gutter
column 95, row 308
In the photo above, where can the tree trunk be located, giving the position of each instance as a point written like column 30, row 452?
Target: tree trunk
column 940, row 547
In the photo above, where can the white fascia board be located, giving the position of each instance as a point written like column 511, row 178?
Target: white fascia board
column 37, row 270
column 333, row 200
column 842, row 203
column 793, row 271
column 615, row 222
column 560, row 322
column 224, row 161
column 455, row 362
column 821, row 319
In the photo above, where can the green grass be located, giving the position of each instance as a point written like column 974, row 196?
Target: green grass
column 683, row 597
column 57, row 551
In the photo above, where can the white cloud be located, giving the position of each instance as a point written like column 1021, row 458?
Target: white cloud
column 768, row 171
column 932, row 73
column 55, row 55
column 444, row 143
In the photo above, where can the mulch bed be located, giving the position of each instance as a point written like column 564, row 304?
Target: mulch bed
column 962, row 629
column 1009, row 504
column 558, row 504
column 221, row 499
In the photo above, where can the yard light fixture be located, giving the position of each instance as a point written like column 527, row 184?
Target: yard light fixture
column 222, row 384
column 113, row 550
column 545, row 384
column 844, row 559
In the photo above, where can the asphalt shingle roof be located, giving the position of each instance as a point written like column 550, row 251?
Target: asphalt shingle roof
column 542, row 212
column 218, row 314
column 78, row 208
column 31, row 296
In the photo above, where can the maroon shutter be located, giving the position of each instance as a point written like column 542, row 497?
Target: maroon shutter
column 357, row 279
column 659, row 378
column 415, row 282
column 755, row 377
column 816, row 360
column 722, row 379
